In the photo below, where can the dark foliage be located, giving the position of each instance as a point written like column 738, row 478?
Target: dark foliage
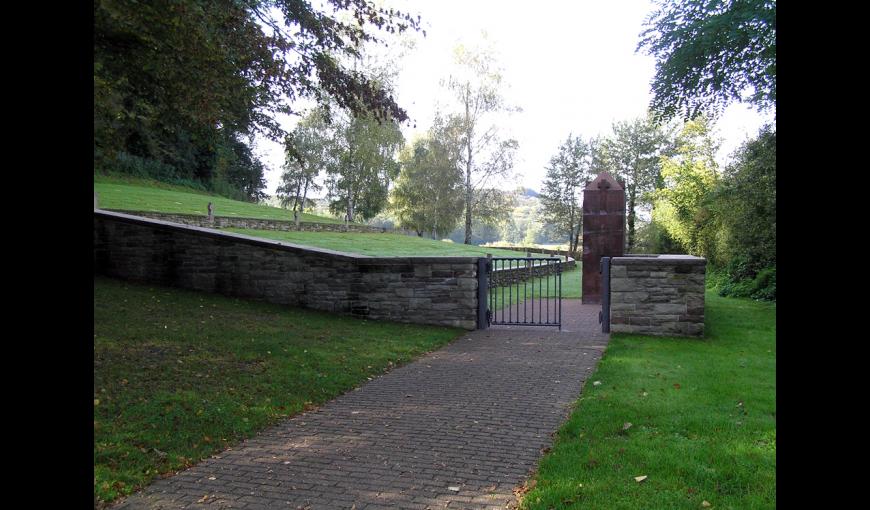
column 181, row 82
column 711, row 52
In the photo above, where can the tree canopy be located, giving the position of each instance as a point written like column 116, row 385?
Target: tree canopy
column 174, row 80
column 567, row 173
column 710, row 53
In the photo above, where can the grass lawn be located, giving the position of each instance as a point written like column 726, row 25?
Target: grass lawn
column 181, row 375
column 379, row 245
column 130, row 194
column 702, row 415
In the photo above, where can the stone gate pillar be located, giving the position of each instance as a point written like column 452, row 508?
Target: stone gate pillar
column 603, row 230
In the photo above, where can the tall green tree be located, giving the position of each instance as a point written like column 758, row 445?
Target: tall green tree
column 362, row 164
column 485, row 155
column 746, row 204
column 428, row 196
column 633, row 154
column 684, row 206
column 306, row 149
column 567, row 173
column 710, row 53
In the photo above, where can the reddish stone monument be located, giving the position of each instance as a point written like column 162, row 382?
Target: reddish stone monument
column 603, row 230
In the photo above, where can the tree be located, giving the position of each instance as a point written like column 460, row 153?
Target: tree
column 633, row 154
column 684, row 206
column 428, row 196
column 175, row 81
column 566, row 174
column 361, row 165
column 484, row 154
column 746, row 203
column 305, row 156
column 711, row 52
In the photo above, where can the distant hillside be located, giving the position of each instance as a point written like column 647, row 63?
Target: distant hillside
column 528, row 192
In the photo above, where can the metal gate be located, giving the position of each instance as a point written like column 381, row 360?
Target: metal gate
column 523, row 291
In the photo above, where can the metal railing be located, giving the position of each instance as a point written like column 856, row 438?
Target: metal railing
column 524, row 291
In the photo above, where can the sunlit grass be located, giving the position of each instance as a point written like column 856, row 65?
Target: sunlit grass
column 702, row 417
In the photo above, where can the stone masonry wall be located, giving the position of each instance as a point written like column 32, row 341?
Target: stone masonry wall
column 657, row 295
column 253, row 223
column 422, row 290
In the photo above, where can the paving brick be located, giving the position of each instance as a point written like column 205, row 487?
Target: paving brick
column 478, row 425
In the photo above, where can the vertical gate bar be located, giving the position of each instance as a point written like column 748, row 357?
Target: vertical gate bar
column 510, row 291
column 548, row 297
column 560, row 297
column 482, row 287
column 531, row 275
column 526, row 293
column 605, row 294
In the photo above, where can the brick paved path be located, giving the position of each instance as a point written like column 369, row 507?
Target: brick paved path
column 473, row 416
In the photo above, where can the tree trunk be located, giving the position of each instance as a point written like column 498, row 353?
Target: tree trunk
column 296, row 198
column 304, row 196
column 468, row 190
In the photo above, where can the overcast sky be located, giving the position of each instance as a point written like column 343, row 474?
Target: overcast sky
column 570, row 65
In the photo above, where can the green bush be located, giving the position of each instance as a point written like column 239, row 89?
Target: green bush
column 736, row 282
column 145, row 168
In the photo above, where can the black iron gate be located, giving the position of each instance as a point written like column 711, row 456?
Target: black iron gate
column 523, row 291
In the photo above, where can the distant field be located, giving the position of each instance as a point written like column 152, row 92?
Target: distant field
column 114, row 193
column 379, row 245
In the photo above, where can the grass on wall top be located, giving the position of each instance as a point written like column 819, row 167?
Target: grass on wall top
column 381, row 244
column 127, row 194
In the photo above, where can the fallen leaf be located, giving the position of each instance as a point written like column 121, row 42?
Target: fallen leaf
column 212, row 478
column 453, row 488
column 706, row 504
column 596, row 383
column 639, row 478
column 626, row 426
column 96, row 401
column 676, row 386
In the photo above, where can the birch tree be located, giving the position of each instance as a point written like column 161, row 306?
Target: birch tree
column 484, row 154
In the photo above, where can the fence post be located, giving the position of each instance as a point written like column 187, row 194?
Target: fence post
column 482, row 287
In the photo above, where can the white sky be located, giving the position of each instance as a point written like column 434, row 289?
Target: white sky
column 570, row 65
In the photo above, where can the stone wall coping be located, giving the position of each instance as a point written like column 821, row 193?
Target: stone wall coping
column 281, row 245
column 658, row 260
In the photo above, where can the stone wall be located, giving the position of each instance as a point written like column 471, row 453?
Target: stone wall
column 423, row 290
column 657, row 295
column 252, row 223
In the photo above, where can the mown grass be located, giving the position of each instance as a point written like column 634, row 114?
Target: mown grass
column 379, row 244
column 130, row 194
column 702, row 415
column 181, row 375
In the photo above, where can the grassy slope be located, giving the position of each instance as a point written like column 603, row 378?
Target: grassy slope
column 703, row 415
column 380, row 245
column 180, row 375
column 138, row 195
